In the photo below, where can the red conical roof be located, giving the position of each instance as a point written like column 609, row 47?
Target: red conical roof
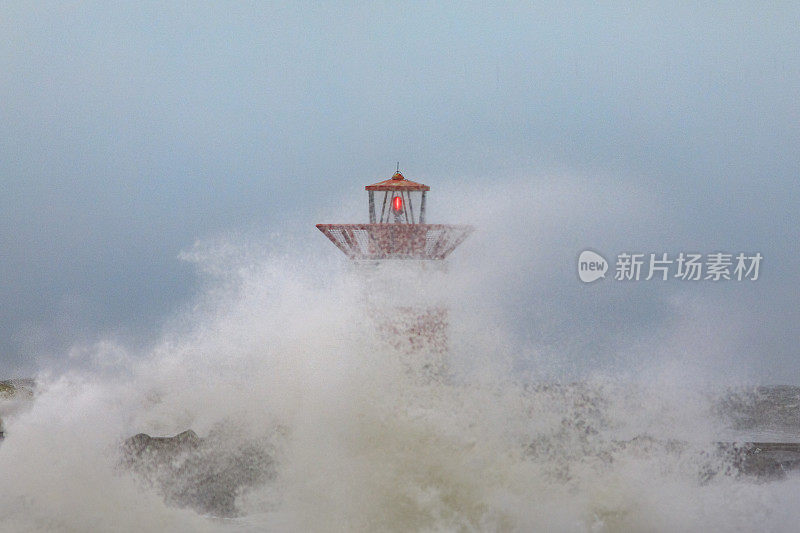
column 397, row 183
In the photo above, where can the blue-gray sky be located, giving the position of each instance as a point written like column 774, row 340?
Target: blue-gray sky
column 129, row 130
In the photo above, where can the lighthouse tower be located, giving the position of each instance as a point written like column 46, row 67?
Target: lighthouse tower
column 400, row 256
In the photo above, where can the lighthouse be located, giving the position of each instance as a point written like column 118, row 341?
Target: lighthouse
column 400, row 257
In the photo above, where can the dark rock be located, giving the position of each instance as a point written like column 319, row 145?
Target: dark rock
column 206, row 475
column 764, row 460
column 143, row 443
column 15, row 394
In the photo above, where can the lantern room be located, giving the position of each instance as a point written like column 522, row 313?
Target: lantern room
column 397, row 227
column 401, row 201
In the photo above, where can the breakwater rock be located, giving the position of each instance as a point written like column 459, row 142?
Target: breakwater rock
column 15, row 395
column 204, row 474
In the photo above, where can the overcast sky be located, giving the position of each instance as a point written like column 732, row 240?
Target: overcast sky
column 130, row 130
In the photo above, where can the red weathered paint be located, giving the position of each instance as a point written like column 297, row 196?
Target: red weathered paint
column 396, row 241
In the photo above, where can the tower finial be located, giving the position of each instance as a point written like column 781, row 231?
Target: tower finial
column 398, row 167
